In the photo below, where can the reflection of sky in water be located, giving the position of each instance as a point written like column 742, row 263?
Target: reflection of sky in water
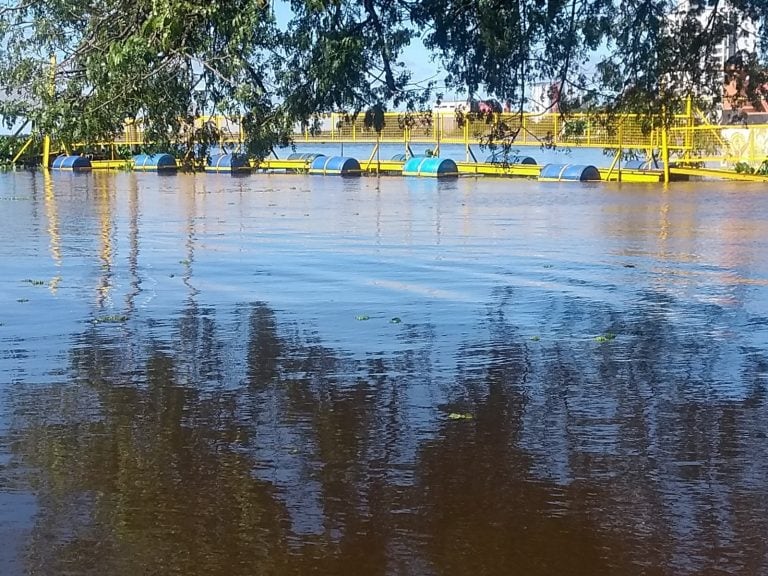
column 494, row 282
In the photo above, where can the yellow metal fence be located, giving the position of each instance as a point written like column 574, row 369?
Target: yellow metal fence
column 688, row 139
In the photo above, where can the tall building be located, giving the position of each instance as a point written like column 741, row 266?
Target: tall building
column 724, row 56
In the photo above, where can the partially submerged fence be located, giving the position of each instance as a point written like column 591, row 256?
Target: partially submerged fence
column 687, row 139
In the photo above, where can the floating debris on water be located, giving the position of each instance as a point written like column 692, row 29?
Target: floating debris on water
column 362, row 317
column 395, row 320
column 34, row 282
column 607, row 337
column 112, row 319
column 460, row 416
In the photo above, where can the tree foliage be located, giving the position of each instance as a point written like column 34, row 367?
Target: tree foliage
column 168, row 61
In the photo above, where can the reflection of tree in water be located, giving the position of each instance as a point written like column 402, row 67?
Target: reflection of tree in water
column 140, row 477
column 480, row 511
column 159, row 468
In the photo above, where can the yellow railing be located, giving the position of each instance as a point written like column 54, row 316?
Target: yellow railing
column 688, row 139
column 578, row 130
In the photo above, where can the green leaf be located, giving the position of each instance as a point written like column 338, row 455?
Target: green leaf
column 607, row 337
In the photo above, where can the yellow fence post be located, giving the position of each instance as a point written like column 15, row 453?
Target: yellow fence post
column 689, row 127
column 524, row 126
column 406, row 139
column 620, row 154
column 466, row 141
column 47, row 137
column 665, row 147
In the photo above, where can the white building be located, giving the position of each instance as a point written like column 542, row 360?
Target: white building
column 743, row 39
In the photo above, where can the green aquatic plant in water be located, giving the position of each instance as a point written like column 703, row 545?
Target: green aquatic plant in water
column 607, row 337
column 111, row 319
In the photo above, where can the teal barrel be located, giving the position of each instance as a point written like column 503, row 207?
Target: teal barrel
column 71, row 163
column 154, row 162
column 335, row 165
column 499, row 159
column 431, row 167
column 231, row 163
column 570, row 172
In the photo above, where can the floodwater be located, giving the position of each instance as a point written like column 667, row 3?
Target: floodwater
column 290, row 375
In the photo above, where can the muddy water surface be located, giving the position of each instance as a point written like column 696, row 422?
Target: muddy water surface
column 206, row 375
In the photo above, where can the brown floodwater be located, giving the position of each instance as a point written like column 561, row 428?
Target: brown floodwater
column 291, row 375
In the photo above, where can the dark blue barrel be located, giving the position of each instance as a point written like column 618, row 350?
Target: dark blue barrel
column 575, row 172
column 228, row 163
column 335, row 165
column 499, row 159
column 431, row 166
column 71, row 163
column 154, row 162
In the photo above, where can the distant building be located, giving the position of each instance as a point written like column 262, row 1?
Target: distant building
column 726, row 55
column 449, row 106
column 468, row 105
column 743, row 39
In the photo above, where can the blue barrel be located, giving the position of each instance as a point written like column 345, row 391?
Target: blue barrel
column 431, row 166
column 304, row 156
column 71, row 163
column 154, row 162
column 574, row 172
column 499, row 159
column 335, row 165
column 228, row 163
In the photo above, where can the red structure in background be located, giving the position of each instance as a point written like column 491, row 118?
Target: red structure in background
column 738, row 108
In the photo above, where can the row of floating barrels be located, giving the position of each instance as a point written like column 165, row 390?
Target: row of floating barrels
column 155, row 163
column 428, row 166
column 432, row 166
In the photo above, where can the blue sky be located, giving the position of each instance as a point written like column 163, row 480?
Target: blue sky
column 416, row 57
